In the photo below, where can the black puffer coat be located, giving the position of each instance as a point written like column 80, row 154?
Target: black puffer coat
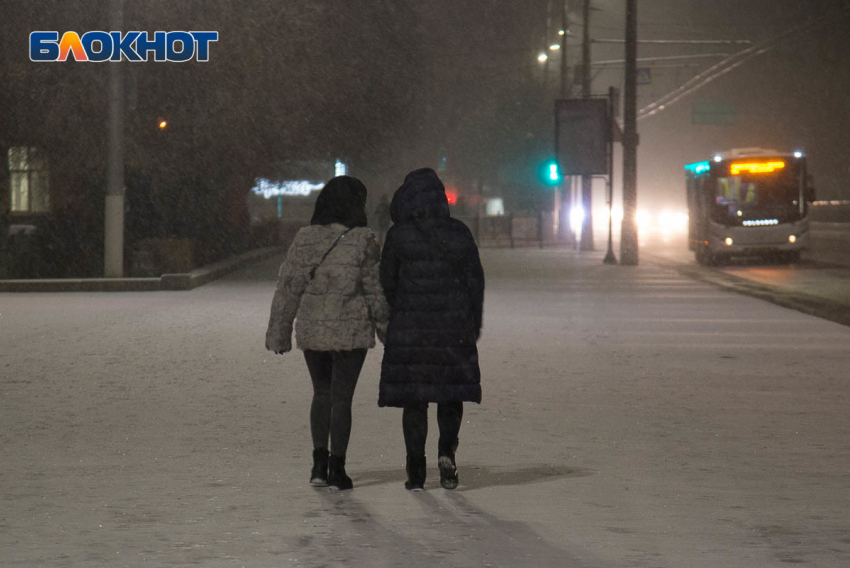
column 432, row 277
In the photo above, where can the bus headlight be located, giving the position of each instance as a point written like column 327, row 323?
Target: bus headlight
column 728, row 242
column 792, row 238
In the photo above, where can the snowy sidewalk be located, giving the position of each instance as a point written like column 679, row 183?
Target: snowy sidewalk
column 631, row 417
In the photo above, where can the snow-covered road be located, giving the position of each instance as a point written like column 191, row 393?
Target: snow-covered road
column 631, row 417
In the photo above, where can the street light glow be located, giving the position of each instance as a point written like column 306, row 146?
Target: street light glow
column 561, row 32
column 162, row 124
column 542, row 57
column 555, row 46
column 576, row 218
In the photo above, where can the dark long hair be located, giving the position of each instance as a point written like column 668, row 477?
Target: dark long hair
column 343, row 201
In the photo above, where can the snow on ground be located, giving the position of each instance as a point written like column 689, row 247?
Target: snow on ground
column 631, row 417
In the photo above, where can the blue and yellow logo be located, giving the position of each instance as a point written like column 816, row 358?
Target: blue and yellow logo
column 99, row 46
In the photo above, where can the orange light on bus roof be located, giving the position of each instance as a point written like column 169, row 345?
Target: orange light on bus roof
column 755, row 167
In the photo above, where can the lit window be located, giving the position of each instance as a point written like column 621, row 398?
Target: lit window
column 29, row 180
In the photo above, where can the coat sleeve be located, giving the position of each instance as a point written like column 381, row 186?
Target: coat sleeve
column 474, row 273
column 293, row 278
column 390, row 265
column 370, row 275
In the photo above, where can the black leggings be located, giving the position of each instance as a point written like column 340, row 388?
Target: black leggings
column 334, row 375
column 414, row 422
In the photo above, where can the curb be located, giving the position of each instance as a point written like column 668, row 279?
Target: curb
column 181, row 281
column 824, row 308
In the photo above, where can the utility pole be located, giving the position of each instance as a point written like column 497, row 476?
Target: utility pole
column 546, row 45
column 113, row 242
column 565, row 25
column 563, row 228
column 586, row 181
column 629, row 237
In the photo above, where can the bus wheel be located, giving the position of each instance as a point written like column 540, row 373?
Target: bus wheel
column 703, row 256
column 721, row 259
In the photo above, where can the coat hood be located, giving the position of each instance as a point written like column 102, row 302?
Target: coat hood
column 421, row 196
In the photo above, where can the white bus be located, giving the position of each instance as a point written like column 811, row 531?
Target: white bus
column 746, row 202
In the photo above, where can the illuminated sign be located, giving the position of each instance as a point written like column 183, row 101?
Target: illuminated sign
column 755, row 167
column 698, row 167
column 269, row 189
column 761, row 222
column 340, row 169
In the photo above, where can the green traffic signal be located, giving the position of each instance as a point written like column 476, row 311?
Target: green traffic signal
column 550, row 174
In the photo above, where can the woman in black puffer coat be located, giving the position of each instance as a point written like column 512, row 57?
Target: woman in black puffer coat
column 433, row 281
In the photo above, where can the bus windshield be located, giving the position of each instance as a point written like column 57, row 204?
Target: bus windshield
column 747, row 196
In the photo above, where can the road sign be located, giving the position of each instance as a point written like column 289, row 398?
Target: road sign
column 582, row 132
column 713, row 114
column 644, row 75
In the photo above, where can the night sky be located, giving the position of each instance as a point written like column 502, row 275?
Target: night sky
column 394, row 83
column 795, row 96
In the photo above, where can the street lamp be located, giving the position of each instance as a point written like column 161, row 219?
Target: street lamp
column 542, row 58
column 113, row 223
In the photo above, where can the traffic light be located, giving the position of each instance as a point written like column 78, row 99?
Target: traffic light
column 549, row 173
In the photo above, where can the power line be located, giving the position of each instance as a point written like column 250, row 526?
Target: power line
column 660, row 58
column 681, row 41
column 729, row 64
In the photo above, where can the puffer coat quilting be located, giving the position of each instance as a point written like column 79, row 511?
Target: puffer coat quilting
column 435, row 301
column 343, row 304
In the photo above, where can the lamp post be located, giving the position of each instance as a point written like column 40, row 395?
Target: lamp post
column 586, row 181
column 561, row 227
column 113, row 240
column 613, row 96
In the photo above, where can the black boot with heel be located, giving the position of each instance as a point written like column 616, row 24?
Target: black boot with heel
column 447, row 465
column 337, row 478
column 319, row 474
column 415, row 473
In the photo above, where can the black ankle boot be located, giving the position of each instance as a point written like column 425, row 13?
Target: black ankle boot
column 415, row 473
column 337, row 479
column 319, row 474
column 447, row 465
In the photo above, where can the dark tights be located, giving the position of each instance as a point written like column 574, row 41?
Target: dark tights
column 334, row 375
column 415, row 425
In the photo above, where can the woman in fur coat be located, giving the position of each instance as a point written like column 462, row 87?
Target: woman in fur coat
column 331, row 281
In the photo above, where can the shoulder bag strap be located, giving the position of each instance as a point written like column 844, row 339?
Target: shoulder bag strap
column 327, row 252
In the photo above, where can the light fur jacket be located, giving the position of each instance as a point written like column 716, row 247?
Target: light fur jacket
column 342, row 306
